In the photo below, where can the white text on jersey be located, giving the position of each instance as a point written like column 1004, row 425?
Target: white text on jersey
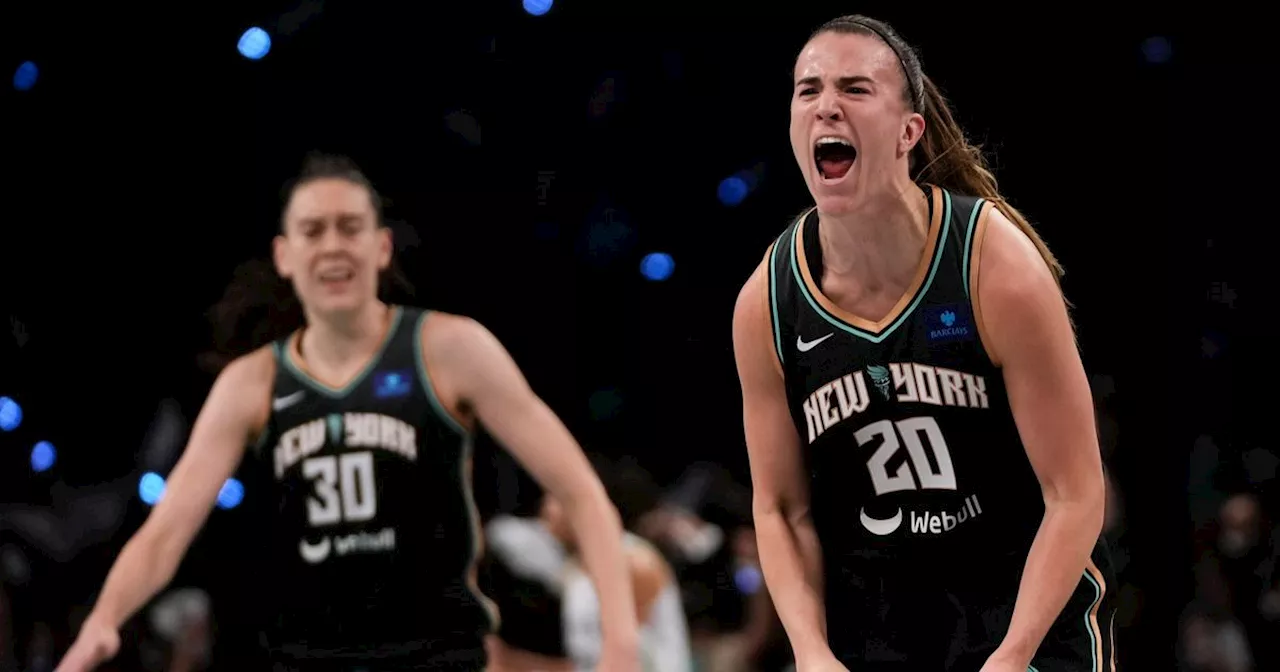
column 842, row 398
column 359, row 430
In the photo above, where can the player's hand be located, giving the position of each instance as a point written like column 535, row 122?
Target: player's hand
column 619, row 658
column 96, row 643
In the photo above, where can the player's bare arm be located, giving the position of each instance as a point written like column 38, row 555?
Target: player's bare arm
column 650, row 575
column 476, row 377
column 1026, row 330
column 233, row 414
column 789, row 549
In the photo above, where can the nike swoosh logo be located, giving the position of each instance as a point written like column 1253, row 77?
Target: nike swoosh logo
column 281, row 403
column 803, row 346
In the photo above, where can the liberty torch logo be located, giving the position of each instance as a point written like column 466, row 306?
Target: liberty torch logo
column 880, row 377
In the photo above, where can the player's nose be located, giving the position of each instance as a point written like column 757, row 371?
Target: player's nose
column 827, row 109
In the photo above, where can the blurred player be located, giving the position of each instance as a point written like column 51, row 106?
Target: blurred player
column 364, row 419
column 928, row 484
column 552, row 613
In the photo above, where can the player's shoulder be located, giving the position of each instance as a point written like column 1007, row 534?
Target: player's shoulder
column 751, row 307
column 253, row 370
column 650, row 572
column 645, row 558
column 758, row 281
column 1010, row 260
column 448, row 331
column 243, row 389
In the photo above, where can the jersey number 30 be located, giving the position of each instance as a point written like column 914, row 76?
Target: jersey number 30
column 933, row 474
column 343, row 488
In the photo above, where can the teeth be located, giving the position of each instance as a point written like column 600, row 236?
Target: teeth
column 335, row 275
column 832, row 140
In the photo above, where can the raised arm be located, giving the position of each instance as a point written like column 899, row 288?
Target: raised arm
column 1024, row 325
column 790, row 555
column 478, row 375
column 235, row 411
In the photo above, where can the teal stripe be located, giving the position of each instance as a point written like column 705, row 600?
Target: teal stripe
column 1032, row 668
column 260, row 444
column 426, row 380
column 1093, row 641
column 468, row 493
column 939, row 246
column 773, row 298
column 968, row 243
column 285, row 355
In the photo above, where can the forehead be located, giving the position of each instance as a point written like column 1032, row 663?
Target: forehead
column 326, row 197
column 847, row 54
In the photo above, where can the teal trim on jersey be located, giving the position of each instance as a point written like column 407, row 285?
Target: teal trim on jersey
column 1032, row 668
column 773, row 299
column 477, row 531
column 968, row 243
column 286, row 356
column 939, row 246
column 1093, row 641
column 260, row 443
column 426, row 379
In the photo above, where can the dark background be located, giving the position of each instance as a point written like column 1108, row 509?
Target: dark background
column 533, row 161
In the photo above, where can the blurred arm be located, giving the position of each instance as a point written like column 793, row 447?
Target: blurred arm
column 1025, row 328
column 235, row 410
column 790, row 555
column 487, row 381
column 650, row 575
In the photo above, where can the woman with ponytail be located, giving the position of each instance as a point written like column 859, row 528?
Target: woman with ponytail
column 928, row 488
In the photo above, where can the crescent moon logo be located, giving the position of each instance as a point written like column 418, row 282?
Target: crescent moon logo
column 314, row 553
column 881, row 527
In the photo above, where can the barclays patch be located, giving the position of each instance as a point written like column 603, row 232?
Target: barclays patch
column 949, row 323
column 388, row 384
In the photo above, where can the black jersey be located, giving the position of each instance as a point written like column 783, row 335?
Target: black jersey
column 907, row 431
column 374, row 533
column 922, row 495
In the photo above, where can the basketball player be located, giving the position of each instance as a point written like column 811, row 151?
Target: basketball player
column 928, row 485
column 537, row 562
column 363, row 420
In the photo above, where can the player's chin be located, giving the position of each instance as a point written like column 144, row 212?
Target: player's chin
column 833, row 197
column 831, row 202
column 333, row 301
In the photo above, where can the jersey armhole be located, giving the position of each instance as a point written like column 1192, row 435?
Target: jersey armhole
column 771, row 304
column 973, row 244
column 424, row 377
column 259, row 443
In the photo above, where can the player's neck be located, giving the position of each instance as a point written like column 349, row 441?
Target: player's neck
column 880, row 240
column 337, row 340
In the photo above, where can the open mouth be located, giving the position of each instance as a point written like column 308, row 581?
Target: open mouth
column 336, row 277
column 834, row 156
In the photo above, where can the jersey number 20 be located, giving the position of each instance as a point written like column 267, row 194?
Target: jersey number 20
column 343, row 488
column 941, row 477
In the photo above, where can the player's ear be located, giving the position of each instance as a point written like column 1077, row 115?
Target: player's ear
column 280, row 255
column 912, row 133
column 385, row 247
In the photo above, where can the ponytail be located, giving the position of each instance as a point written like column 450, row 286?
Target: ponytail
column 944, row 157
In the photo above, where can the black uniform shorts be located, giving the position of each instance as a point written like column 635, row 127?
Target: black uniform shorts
column 921, row 621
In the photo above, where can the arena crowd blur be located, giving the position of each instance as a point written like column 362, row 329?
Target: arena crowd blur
column 594, row 183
